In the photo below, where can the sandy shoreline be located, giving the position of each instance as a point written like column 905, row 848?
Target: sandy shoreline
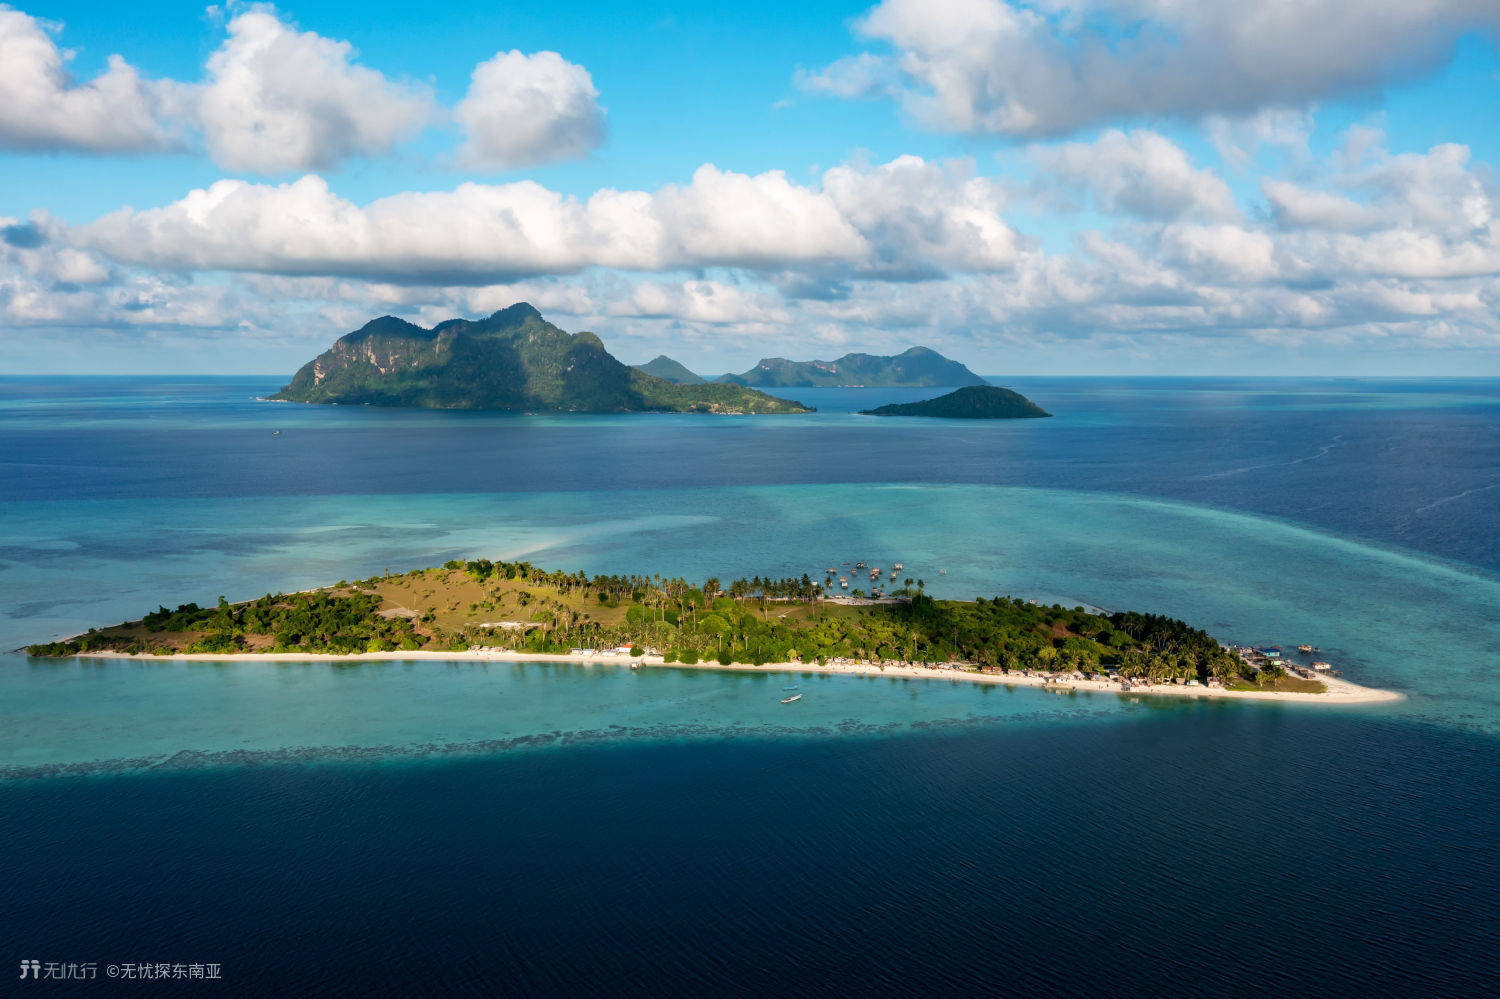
column 1339, row 691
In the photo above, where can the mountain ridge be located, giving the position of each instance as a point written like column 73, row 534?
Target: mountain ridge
column 663, row 366
column 914, row 367
column 513, row 360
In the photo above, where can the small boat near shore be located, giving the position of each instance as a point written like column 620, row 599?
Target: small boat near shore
column 794, row 697
column 792, row 687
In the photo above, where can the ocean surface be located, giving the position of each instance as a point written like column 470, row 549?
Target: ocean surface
column 437, row 828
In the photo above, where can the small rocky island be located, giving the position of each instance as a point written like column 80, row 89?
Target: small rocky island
column 973, row 402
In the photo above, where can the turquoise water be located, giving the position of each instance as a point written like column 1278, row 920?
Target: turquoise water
column 1389, row 618
column 445, row 828
column 1357, row 516
column 204, row 714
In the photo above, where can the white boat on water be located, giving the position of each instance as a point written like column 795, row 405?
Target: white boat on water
column 794, row 697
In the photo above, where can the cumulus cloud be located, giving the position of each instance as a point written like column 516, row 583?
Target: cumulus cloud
column 1404, row 248
column 1050, row 67
column 1437, row 190
column 279, row 99
column 1298, row 207
column 711, row 302
column 46, row 283
column 42, row 107
column 1140, row 172
column 908, row 216
column 522, row 110
column 923, row 218
column 274, row 98
column 1238, row 139
column 1229, row 252
column 727, row 218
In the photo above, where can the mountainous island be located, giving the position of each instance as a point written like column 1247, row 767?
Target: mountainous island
column 493, row 609
column 513, row 360
column 916, row 367
column 663, row 366
column 974, row 402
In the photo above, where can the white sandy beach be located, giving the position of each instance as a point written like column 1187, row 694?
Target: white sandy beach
column 1339, row 691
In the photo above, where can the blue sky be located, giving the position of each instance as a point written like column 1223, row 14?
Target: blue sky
column 1059, row 186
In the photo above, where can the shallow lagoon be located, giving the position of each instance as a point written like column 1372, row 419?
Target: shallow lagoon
column 442, row 828
column 1389, row 618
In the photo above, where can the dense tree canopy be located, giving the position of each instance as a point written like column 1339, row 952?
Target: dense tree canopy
column 755, row 620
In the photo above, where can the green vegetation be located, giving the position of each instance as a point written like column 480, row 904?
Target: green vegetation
column 917, row 366
column 663, row 366
column 512, row 361
column 516, row 605
column 305, row 622
column 659, row 395
column 1277, row 679
column 977, row 402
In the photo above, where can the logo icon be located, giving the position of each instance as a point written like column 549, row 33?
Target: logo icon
column 34, row 967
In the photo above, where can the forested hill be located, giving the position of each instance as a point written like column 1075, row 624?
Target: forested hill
column 663, row 366
column 916, row 367
column 513, row 360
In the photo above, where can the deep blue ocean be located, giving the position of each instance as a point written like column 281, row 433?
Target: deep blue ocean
column 465, row 828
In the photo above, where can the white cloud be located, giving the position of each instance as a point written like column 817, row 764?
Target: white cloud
column 522, row 110
column 1051, row 67
column 711, row 302
column 908, row 217
column 279, row 99
column 1231, row 252
column 925, row 218
column 1403, row 249
column 734, row 219
column 1297, row 207
column 1140, row 172
column 45, row 283
column 858, row 76
column 1239, row 139
column 42, row 107
column 275, row 99
column 1436, row 190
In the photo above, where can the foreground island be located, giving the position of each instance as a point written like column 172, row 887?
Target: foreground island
column 514, row 610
